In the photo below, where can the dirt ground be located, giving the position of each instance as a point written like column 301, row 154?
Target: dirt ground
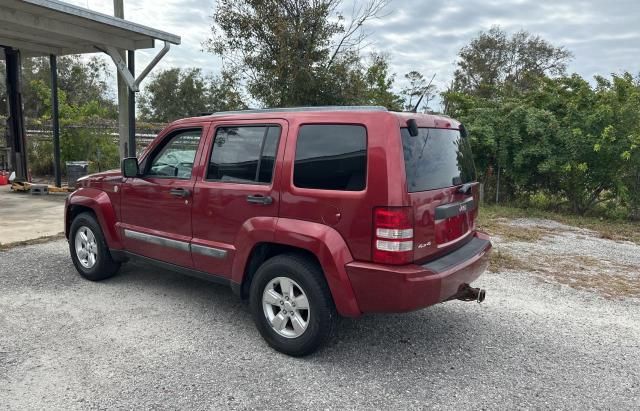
column 558, row 253
column 560, row 329
column 25, row 217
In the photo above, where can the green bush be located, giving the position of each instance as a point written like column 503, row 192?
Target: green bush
column 76, row 144
column 83, row 144
column 40, row 156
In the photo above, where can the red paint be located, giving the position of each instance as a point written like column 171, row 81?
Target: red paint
column 221, row 209
column 332, row 252
column 103, row 207
column 381, row 288
column 335, row 226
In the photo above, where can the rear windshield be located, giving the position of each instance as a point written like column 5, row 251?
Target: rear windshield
column 436, row 158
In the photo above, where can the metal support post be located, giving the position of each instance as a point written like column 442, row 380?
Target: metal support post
column 131, row 58
column 17, row 141
column 55, row 119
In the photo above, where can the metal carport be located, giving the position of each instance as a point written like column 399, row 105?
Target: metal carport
column 53, row 28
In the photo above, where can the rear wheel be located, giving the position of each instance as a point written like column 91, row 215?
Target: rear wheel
column 291, row 305
column 89, row 250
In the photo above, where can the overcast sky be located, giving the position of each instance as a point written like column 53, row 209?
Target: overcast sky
column 604, row 35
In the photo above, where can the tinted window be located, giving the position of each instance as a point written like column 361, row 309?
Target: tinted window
column 244, row 154
column 331, row 157
column 436, row 158
column 177, row 156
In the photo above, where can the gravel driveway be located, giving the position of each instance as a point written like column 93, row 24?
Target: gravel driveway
column 153, row 339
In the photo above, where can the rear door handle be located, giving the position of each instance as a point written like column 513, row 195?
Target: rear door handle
column 180, row 192
column 259, row 199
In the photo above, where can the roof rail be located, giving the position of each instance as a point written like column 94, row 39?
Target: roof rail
column 296, row 109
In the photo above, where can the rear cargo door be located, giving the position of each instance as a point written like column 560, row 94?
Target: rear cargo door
column 442, row 189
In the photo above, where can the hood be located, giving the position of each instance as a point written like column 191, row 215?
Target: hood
column 110, row 176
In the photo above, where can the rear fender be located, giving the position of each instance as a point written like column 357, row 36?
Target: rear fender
column 100, row 203
column 332, row 253
column 255, row 230
column 322, row 241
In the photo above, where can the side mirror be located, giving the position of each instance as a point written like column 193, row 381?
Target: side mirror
column 130, row 167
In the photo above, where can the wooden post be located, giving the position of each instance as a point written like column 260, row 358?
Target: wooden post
column 123, row 93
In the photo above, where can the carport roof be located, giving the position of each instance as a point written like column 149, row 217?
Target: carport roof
column 43, row 27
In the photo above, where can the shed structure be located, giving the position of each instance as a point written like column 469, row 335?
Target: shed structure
column 31, row 28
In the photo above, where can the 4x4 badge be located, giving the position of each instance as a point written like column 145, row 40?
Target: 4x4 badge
column 463, row 208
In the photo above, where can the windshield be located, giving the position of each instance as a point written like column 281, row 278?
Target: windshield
column 436, row 158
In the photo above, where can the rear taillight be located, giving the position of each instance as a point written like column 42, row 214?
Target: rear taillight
column 393, row 235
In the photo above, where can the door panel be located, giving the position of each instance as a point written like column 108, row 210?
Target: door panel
column 241, row 183
column 156, row 208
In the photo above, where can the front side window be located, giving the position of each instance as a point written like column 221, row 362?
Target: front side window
column 331, row 157
column 244, row 154
column 175, row 159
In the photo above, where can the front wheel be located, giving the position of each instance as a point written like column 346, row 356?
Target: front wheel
column 89, row 250
column 291, row 305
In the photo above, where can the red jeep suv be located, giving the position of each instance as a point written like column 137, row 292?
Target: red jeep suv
column 307, row 213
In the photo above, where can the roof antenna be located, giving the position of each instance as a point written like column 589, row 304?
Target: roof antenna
column 415, row 109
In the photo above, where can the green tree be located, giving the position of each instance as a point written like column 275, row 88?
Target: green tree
column 84, row 82
column 224, row 93
column 172, row 94
column 82, row 135
column 493, row 60
column 379, row 83
column 418, row 88
column 296, row 52
column 176, row 93
column 619, row 102
column 575, row 142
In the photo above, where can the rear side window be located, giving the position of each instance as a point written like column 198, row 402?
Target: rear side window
column 331, row 157
column 244, row 154
column 436, row 158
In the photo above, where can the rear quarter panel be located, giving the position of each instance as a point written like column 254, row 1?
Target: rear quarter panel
column 348, row 212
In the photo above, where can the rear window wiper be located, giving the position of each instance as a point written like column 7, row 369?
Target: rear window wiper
column 424, row 144
column 465, row 188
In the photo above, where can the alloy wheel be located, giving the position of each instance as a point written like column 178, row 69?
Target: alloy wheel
column 86, row 247
column 286, row 307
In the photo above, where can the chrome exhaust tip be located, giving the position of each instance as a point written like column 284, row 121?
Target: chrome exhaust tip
column 482, row 293
column 467, row 293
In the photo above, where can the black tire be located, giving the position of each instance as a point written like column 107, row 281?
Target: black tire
column 104, row 266
column 322, row 312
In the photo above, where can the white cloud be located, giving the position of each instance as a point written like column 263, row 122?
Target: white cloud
column 426, row 35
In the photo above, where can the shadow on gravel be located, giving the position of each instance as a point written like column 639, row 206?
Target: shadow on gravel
column 441, row 331
column 178, row 287
column 437, row 334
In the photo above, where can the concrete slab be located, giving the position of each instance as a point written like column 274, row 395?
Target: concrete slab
column 24, row 217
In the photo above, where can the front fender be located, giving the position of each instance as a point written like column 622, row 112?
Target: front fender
column 100, row 203
column 332, row 252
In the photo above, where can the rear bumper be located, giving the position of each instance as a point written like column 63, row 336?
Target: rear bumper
column 382, row 288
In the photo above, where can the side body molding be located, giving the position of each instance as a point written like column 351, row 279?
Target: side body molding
column 102, row 206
